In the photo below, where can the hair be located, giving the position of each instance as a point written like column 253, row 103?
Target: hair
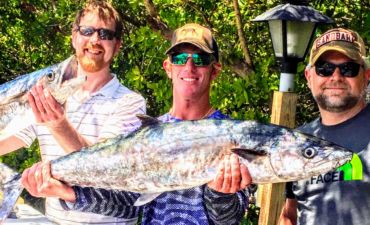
column 105, row 11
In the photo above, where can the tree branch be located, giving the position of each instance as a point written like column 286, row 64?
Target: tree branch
column 155, row 21
column 243, row 41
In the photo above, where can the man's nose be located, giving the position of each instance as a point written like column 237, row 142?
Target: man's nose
column 95, row 37
column 190, row 64
column 336, row 74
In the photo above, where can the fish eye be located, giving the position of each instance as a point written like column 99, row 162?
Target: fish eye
column 309, row 153
column 50, row 76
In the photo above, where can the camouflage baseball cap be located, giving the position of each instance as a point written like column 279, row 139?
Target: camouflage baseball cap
column 196, row 35
column 345, row 41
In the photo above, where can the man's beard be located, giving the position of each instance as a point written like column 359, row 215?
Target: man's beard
column 345, row 103
column 92, row 64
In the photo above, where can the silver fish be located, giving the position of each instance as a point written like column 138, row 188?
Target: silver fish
column 162, row 157
column 15, row 113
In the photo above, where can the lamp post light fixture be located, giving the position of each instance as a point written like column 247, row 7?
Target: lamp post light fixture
column 292, row 26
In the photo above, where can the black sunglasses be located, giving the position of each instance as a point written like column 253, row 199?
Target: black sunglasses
column 199, row 59
column 104, row 34
column 347, row 69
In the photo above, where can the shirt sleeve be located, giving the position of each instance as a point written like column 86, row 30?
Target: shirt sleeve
column 105, row 202
column 27, row 135
column 225, row 208
column 123, row 120
column 289, row 190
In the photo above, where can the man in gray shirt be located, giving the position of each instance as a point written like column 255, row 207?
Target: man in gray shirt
column 337, row 76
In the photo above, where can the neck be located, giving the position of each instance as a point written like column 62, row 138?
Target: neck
column 191, row 109
column 96, row 80
column 334, row 118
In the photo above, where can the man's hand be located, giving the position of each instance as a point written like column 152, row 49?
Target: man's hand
column 39, row 183
column 50, row 113
column 44, row 106
column 231, row 177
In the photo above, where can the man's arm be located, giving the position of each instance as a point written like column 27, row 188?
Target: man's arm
column 10, row 144
column 50, row 113
column 39, row 182
column 113, row 203
column 289, row 214
column 226, row 197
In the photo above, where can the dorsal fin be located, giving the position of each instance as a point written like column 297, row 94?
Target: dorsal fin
column 147, row 120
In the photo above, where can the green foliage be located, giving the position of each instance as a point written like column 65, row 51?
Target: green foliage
column 251, row 216
column 35, row 34
column 22, row 158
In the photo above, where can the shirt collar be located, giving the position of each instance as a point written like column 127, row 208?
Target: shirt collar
column 109, row 89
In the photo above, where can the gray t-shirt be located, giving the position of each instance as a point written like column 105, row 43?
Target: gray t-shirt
column 334, row 198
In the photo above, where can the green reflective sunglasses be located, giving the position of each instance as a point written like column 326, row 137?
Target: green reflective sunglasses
column 199, row 59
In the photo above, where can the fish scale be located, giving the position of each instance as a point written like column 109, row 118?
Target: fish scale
column 162, row 157
column 173, row 156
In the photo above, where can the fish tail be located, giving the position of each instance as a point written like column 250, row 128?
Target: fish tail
column 12, row 189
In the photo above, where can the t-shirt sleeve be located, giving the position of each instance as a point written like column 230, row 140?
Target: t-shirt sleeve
column 289, row 190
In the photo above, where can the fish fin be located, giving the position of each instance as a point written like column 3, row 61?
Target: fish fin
column 20, row 97
column 147, row 120
column 247, row 153
column 145, row 198
column 11, row 192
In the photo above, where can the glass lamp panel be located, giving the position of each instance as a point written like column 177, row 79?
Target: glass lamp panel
column 276, row 32
column 298, row 37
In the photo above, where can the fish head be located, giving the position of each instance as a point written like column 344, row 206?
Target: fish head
column 290, row 156
column 62, row 80
column 298, row 156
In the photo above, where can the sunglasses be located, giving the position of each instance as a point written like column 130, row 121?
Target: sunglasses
column 199, row 59
column 104, row 34
column 347, row 69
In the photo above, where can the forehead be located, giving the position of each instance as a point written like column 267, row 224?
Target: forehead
column 92, row 18
column 334, row 56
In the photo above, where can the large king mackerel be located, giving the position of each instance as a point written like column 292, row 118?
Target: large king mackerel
column 163, row 157
column 15, row 113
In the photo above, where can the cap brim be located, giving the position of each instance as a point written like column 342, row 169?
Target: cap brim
column 351, row 55
column 200, row 46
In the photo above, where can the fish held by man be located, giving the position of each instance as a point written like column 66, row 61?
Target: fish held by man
column 15, row 112
column 162, row 157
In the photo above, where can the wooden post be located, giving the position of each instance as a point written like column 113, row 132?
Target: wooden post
column 271, row 196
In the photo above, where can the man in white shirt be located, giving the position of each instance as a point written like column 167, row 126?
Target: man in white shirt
column 101, row 109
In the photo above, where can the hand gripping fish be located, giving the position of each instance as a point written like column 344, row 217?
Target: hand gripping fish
column 15, row 112
column 162, row 157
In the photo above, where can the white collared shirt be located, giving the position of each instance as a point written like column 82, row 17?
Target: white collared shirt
column 104, row 114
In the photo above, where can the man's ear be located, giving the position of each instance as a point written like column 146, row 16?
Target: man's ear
column 167, row 67
column 367, row 78
column 74, row 37
column 216, row 70
column 117, row 47
column 367, row 74
column 308, row 75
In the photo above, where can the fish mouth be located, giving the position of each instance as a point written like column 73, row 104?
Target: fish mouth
column 69, row 70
